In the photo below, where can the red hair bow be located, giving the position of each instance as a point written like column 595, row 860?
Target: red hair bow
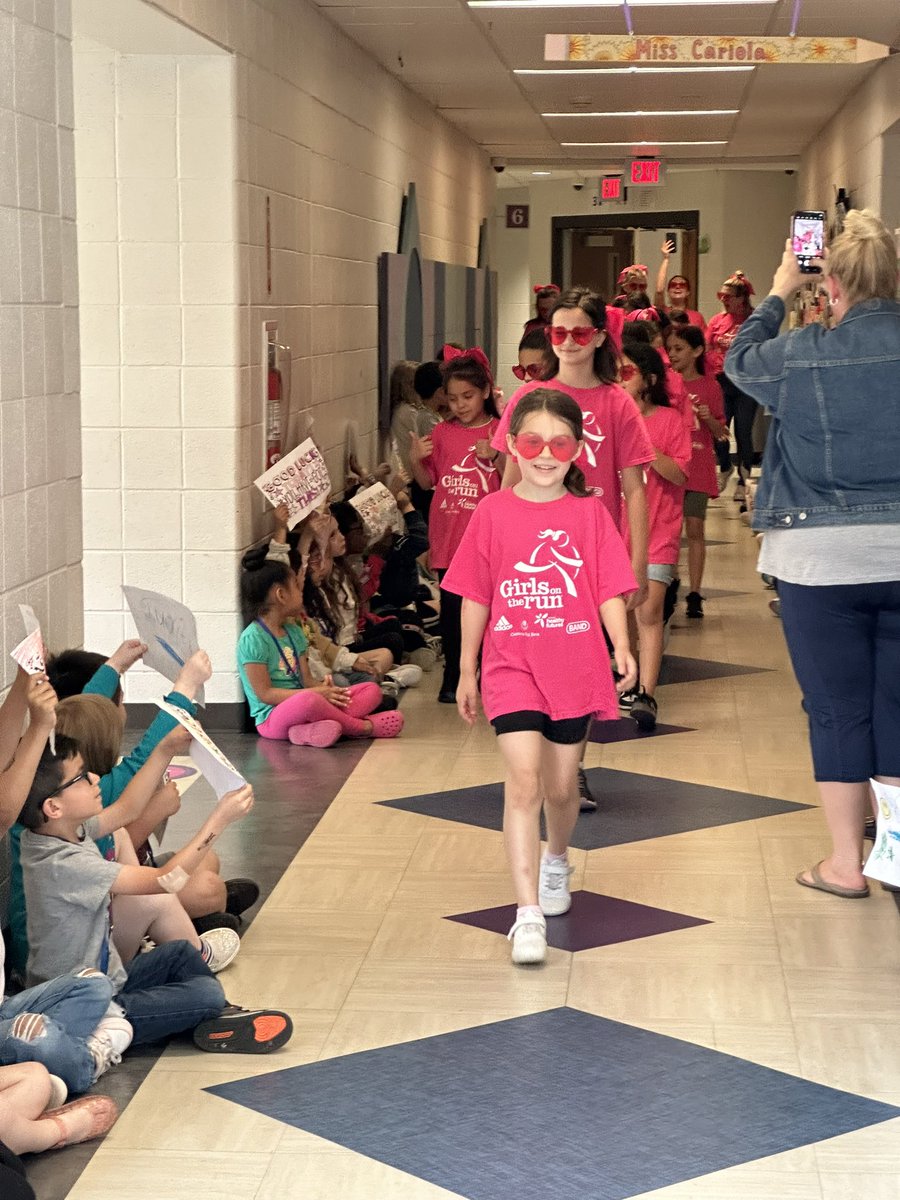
column 451, row 352
column 634, row 269
column 545, row 287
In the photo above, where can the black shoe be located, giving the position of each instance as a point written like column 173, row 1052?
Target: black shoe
column 627, row 699
column 588, row 802
column 220, row 920
column 670, row 603
column 239, row 1031
column 242, row 894
column 388, row 704
column 870, row 829
column 694, row 605
column 445, row 696
column 643, row 712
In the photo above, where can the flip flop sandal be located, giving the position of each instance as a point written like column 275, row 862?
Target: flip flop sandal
column 834, row 889
column 103, row 1113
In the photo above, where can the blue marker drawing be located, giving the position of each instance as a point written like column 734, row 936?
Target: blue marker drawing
column 168, row 649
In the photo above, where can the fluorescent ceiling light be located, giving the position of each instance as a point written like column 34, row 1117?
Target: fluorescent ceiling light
column 542, row 172
column 719, row 143
column 621, row 70
column 637, row 112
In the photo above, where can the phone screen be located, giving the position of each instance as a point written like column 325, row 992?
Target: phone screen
column 808, row 238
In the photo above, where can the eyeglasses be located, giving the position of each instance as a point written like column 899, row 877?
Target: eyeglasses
column 581, row 334
column 529, row 445
column 532, row 371
column 627, row 371
column 78, row 778
column 726, row 296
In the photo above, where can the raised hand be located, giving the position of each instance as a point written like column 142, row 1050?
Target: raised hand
column 127, row 655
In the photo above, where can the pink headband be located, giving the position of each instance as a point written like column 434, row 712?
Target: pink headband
column 643, row 314
column 545, row 287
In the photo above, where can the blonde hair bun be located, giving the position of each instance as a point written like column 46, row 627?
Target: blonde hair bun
column 863, row 258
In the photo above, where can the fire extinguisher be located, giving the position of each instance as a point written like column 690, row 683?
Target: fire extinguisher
column 273, row 414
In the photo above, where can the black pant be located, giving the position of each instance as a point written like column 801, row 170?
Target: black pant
column 13, row 1184
column 388, row 640
column 741, row 409
column 451, row 636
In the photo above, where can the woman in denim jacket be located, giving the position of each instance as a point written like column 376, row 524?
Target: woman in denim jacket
column 829, row 503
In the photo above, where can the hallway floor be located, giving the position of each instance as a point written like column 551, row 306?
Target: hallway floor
column 704, row 1029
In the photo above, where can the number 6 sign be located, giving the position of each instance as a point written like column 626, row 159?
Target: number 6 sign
column 517, row 216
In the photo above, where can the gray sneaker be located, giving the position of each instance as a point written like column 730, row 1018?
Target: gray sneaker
column 586, row 796
column 643, row 712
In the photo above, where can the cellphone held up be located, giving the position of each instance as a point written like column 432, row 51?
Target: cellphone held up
column 808, row 239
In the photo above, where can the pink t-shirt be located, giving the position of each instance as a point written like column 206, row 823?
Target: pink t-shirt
column 460, row 481
column 665, row 500
column 543, row 570
column 720, row 333
column 614, row 436
column 702, row 470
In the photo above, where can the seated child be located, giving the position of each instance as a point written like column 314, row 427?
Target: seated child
column 66, row 1024
column 210, row 901
column 285, row 701
column 69, row 885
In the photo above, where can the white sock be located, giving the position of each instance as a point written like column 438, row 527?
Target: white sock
column 556, row 860
column 530, row 912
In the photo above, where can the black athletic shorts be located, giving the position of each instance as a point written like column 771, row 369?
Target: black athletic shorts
column 563, row 733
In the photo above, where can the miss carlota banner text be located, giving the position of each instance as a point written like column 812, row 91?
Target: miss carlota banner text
column 706, row 51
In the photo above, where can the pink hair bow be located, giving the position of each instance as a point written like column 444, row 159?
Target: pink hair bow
column 475, row 352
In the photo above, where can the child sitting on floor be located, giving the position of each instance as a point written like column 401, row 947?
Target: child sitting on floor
column 69, row 885
column 285, row 701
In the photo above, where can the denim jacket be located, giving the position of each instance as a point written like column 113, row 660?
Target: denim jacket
column 833, row 451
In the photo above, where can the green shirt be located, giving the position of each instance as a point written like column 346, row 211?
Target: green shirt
column 280, row 656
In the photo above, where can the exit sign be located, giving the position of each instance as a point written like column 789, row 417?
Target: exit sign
column 611, row 187
column 647, row 172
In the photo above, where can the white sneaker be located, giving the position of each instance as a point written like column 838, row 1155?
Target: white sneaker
column 529, row 941
column 108, row 1043
column 553, row 889
column 408, row 675
column 219, row 947
column 724, row 476
column 59, row 1093
column 424, row 658
column 740, row 492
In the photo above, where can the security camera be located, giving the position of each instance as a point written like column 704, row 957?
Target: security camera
column 790, row 171
column 577, row 186
column 499, row 165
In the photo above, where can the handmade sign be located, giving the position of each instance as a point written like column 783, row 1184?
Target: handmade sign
column 299, row 479
column 884, row 861
column 168, row 629
column 29, row 617
column 378, row 510
column 220, row 773
column 676, row 51
column 29, row 653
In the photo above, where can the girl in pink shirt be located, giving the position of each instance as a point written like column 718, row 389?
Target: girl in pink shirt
column 458, row 462
column 643, row 376
column 676, row 295
column 542, row 569
column 687, row 352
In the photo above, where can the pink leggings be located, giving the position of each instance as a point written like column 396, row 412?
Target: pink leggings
column 304, row 707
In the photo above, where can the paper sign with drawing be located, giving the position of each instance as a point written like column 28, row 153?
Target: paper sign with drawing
column 221, row 774
column 30, row 654
column 299, row 479
column 168, row 629
column 378, row 510
column 884, row 861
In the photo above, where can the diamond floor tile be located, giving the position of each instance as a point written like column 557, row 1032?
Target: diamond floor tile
column 593, row 920
column 632, row 808
column 604, row 733
column 467, row 1111
column 677, row 669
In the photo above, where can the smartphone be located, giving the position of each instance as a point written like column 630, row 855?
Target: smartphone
column 673, row 238
column 808, row 239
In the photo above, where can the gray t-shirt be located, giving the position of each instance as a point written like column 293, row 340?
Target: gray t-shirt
column 832, row 554
column 67, row 893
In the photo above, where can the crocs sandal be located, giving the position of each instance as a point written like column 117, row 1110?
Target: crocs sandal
column 386, row 724
column 239, row 1031
column 834, row 889
column 103, row 1114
